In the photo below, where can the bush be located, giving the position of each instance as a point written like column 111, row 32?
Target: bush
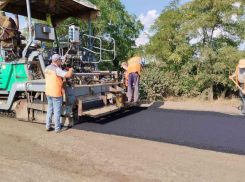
column 156, row 84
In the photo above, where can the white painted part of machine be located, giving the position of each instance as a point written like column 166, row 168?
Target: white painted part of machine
column 2, row 102
column 74, row 33
column 111, row 97
column 13, row 108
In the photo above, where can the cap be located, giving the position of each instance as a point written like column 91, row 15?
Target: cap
column 241, row 63
column 124, row 65
column 56, row 57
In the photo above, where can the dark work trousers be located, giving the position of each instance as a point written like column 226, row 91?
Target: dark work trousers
column 242, row 98
column 133, row 78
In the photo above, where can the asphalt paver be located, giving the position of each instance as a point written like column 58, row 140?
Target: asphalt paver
column 204, row 130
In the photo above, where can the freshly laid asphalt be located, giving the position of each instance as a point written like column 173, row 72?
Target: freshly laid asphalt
column 204, row 130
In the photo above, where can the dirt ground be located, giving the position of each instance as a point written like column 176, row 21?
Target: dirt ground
column 28, row 153
column 222, row 106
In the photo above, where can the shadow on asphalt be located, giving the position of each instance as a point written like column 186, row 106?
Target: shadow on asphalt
column 121, row 114
column 114, row 116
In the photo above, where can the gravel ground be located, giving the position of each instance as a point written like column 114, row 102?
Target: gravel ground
column 29, row 153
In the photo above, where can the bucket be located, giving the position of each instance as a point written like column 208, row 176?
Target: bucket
column 121, row 98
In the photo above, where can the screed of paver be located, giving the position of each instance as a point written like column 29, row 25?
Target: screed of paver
column 29, row 153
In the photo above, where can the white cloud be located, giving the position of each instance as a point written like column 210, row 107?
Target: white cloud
column 242, row 46
column 217, row 32
column 149, row 19
column 237, row 4
column 143, row 38
column 234, row 17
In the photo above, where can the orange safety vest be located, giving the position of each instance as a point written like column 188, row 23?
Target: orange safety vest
column 134, row 65
column 237, row 71
column 53, row 82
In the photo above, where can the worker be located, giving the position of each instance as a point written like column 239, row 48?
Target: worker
column 133, row 72
column 240, row 80
column 124, row 65
column 54, row 91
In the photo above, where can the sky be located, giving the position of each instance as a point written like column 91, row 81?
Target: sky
column 147, row 12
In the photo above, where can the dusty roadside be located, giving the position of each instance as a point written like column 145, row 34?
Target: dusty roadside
column 223, row 106
column 28, row 153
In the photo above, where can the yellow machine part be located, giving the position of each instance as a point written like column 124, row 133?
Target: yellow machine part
column 48, row 20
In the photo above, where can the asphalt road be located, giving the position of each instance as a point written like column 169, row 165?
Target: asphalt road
column 204, row 130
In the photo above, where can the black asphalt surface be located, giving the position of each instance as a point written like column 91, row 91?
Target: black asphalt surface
column 204, row 130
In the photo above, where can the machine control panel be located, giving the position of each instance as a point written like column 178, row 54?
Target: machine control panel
column 74, row 33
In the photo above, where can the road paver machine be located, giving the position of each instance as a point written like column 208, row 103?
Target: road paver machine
column 89, row 93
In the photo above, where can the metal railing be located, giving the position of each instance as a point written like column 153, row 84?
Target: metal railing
column 90, row 49
column 101, row 49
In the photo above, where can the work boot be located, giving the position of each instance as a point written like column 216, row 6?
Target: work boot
column 136, row 103
column 243, row 108
column 62, row 129
column 50, row 129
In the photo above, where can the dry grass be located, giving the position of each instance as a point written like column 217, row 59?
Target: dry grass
column 234, row 102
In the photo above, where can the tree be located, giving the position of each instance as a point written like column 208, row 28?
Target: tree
column 197, row 44
column 170, row 46
column 215, row 25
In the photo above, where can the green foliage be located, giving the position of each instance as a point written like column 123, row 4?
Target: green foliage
column 197, row 44
column 152, row 84
column 120, row 25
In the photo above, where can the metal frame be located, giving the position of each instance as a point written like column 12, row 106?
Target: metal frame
column 73, row 92
column 90, row 47
column 40, row 57
column 28, row 7
column 3, row 32
column 113, row 50
column 100, row 48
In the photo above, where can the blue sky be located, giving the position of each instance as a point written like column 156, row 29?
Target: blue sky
column 146, row 11
column 138, row 7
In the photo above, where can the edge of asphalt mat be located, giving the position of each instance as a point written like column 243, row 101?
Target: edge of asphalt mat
column 158, row 106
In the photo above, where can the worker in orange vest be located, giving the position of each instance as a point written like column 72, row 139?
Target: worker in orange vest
column 124, row 65
column 54, row 91
column 240, row 80
column 133, row 72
